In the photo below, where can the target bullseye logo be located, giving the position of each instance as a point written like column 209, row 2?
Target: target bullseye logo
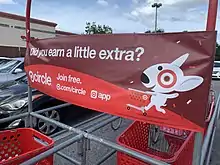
column 167, row 78
column 144, row 97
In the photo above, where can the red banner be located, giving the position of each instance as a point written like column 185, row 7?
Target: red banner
column 163, row 79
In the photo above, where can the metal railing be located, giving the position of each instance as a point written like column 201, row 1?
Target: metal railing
column 83, row 135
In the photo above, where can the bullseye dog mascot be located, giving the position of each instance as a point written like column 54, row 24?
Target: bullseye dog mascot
column 165, row 80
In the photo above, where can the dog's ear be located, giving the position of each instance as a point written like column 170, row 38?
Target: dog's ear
column 179, row 61
column 188, row 83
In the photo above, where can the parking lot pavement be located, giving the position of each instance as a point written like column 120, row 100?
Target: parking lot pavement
column 98, row 151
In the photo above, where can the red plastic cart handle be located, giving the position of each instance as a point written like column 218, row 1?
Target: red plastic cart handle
column 212, row 107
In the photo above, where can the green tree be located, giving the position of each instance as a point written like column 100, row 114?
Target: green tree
column 92, row 28
column 158, row 31
column 217, row 54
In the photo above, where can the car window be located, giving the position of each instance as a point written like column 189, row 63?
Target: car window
column 7, row 65
column 4, row 62
column 216, row 64
column 21, row 66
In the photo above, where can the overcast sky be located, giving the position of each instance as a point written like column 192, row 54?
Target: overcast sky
column 121, row 15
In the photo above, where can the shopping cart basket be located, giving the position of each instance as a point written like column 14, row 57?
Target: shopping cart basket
column 176, row 147
column 19, row 145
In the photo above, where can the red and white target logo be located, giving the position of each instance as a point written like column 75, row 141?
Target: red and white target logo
column 167, row 78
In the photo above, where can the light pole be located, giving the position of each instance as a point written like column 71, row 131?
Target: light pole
column 156, row 5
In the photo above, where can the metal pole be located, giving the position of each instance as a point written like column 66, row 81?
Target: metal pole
column 52, row 150
column 156, row 20
column 59, row 124
column 209, row 132
column 90, row 128
column 82, row 127
column 128, row 151
column 80, row 143
column 28, row 36
column 212, row 15
column 29, row 121
column 197, row 148
column 217, row 104
column 80, row 147
column 102, row 116
column 84, row 150
column 105, row 157
column 28, row 15
column 156, row 5
column 99, row 125
column 13, row 117
column 74, row 161
column 210, row 147
column 53, row 108
column 102, row 141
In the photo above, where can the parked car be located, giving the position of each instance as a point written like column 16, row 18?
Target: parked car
column 216, row 70
column 11, row 69
column 14, row 100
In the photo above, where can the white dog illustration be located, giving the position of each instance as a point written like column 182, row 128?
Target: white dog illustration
column 165, row 78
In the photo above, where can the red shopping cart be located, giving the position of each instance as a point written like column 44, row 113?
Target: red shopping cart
column 19, row 145
column 171, row 146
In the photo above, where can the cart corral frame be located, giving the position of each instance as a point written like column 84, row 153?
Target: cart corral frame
column 202, row 146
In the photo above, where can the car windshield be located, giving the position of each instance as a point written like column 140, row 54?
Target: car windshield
column 216, row 64
column 7, row 65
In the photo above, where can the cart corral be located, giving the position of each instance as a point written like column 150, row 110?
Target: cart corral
column 164, row 91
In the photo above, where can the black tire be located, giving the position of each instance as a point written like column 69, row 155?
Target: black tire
column 42, row 126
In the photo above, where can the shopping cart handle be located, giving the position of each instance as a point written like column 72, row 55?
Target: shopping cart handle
column 144, row 92
column 40, row 141
column 211, row 110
